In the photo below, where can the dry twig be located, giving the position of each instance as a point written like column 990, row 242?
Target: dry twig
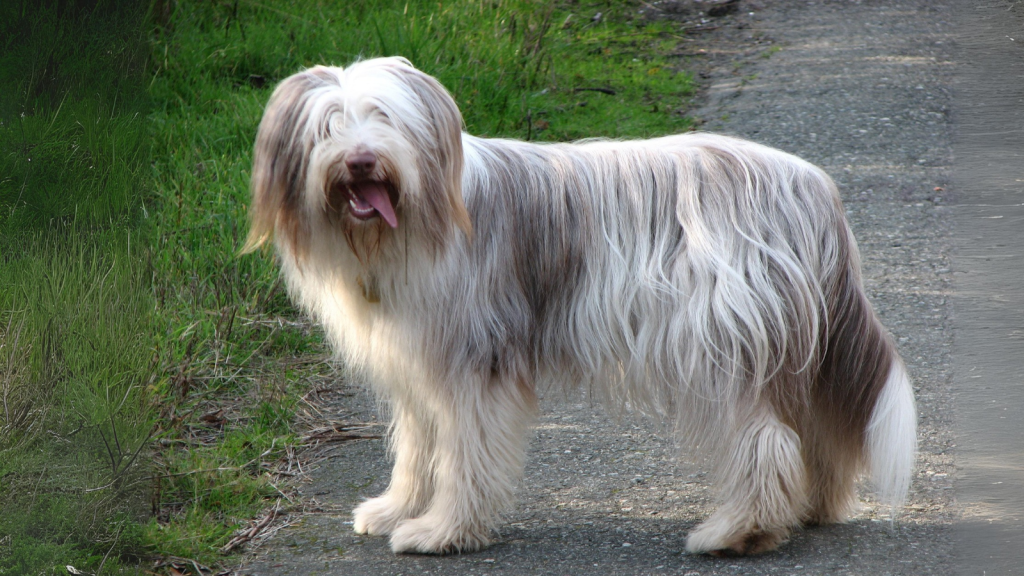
column 251, row 533
column 340, row 432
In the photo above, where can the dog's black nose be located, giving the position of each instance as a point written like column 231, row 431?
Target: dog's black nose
column 361, row 164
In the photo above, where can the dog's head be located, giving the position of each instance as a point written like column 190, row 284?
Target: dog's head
column 365, row 150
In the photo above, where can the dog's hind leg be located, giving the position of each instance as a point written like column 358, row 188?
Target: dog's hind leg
column 763, row 496
column 833, row 459
column 478, row 460
column 411, row 487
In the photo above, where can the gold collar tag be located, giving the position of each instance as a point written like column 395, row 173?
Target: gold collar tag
column 369, row 288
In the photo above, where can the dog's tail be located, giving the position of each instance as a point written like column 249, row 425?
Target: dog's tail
column 891, row 437
column 866, row 391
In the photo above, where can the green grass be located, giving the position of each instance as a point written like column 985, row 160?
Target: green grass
column 75, row 363
column 76, row 333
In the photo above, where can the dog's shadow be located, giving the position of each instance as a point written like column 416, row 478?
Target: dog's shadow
column 595, row 545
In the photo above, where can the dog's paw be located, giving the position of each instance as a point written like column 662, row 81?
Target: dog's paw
column 378, row 516
column 430, row 535
column 718, row 537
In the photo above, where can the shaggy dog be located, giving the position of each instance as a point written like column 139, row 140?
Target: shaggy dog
column 706, row 280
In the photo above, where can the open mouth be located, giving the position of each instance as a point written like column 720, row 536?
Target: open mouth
column 371, row 198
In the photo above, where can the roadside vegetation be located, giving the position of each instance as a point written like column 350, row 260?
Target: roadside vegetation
column 76, row 330
column 154, row 382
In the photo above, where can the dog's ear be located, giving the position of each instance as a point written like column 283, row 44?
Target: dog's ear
column 446, row 121
column 280, row 160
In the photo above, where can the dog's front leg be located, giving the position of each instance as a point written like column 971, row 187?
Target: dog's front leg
column 478, row 459
column 411, row 487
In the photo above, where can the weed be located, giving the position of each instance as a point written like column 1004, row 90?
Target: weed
column 75, row 332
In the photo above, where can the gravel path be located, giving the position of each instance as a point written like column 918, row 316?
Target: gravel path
column 989, row 299
column 864, row 89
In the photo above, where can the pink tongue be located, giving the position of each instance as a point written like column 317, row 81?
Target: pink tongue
column 376, row 195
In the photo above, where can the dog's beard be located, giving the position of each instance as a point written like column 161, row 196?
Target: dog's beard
column 366, row 200
column 366, row 212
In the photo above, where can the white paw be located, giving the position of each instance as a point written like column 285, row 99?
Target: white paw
column 378, row 516
column 712, row 534
column 721, row 535
column 430, row 534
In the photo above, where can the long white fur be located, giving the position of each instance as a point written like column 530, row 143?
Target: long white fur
column 892, row 438
column 702, row 262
